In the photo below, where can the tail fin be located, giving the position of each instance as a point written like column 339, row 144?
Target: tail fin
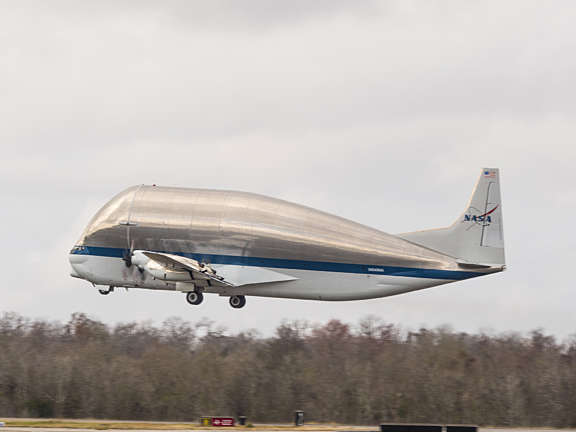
column 477, row 236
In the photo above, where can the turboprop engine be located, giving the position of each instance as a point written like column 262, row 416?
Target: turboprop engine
column 172, row 268
column 157, row 270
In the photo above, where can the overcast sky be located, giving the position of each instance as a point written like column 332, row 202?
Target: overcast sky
column 382, row 112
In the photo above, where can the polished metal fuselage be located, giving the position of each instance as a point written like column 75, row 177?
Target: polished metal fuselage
column 223, row 226
column 215, row 222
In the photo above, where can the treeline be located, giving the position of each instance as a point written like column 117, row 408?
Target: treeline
column 365, row 373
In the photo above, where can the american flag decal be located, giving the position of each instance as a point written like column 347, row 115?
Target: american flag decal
column 489, row 173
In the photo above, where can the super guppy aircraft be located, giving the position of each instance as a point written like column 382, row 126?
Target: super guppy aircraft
column 239, row 244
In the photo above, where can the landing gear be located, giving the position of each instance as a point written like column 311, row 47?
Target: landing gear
column 237, row 301
column 194, row 297
column 106, row 291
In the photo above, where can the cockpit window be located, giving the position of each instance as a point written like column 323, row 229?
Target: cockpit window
column 78, row 250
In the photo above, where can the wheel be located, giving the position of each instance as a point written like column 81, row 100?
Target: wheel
column 194, row 297
column 237, row 301
column 106, row 291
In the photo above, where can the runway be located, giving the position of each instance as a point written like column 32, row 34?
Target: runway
column 272, row 428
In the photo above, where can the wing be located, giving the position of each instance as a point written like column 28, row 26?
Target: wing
column 250, row 275
column 228, row 275
column 196, row 269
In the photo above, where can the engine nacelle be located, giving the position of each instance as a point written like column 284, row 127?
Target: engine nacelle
column 157, row 270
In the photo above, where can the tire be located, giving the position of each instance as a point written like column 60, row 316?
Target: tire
column 104, row 292
column 237, row 302
column 194, row 297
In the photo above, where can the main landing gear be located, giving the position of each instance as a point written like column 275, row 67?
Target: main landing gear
column 194, row 297
column 106, row 291
column 237, row 301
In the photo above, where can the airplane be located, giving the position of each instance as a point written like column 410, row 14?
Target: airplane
column 239, row 244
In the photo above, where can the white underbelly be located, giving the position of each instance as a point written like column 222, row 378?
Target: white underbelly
column 309, row 284
column 322, row 285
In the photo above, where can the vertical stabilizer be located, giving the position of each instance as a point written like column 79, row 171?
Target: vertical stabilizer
column 477, row 235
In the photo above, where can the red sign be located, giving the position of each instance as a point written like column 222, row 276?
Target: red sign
column 222, row 421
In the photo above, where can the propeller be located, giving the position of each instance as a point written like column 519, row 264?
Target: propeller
column 127, row 255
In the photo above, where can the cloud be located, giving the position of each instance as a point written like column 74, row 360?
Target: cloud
column 381, row 112
column 215, row 15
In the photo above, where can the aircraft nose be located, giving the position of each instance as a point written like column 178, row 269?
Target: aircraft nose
column 74, row 273
column 76, row 262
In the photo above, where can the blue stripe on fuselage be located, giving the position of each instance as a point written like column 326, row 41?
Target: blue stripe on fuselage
column 294, row 264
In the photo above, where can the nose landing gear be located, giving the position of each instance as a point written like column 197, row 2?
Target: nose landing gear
column 237, row 301
column 106, row 291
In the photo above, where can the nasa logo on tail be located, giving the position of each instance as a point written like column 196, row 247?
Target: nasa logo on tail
column 484, row 218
